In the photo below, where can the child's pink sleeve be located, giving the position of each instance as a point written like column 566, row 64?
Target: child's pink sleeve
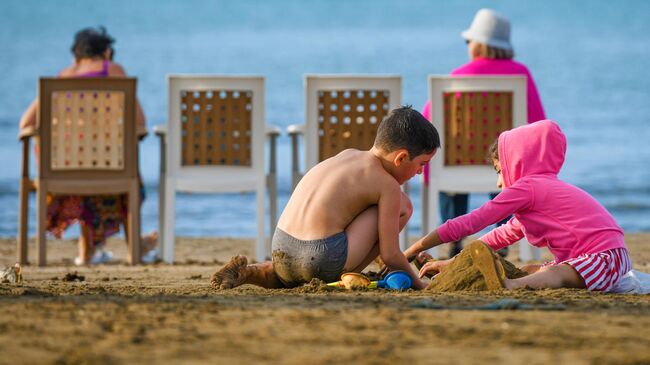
column 504, row 235
column 509, row 201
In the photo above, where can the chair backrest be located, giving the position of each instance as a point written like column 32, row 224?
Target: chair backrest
column 87, row 128
column 216, row 125
column 470, row 112
column 344, row 111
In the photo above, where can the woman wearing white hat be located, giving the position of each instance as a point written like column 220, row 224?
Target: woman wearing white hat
column 490, row 53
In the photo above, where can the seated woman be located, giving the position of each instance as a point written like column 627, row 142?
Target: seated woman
column 99, row 216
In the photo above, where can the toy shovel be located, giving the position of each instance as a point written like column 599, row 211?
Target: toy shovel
column 351, row 280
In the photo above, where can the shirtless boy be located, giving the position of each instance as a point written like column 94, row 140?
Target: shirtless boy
column 346, row 211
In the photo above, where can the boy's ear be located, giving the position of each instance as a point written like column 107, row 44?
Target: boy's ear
column 401, row 156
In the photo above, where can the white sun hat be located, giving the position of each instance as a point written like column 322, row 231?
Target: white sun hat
column 491, row 28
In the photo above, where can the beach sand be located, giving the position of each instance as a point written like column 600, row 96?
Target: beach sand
column 169, row 314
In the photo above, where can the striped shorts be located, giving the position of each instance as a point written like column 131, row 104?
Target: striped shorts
column 602, row 270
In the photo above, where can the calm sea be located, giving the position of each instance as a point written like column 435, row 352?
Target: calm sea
column 589, row 59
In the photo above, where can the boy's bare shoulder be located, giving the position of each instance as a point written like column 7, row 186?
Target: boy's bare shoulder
column 369, row 167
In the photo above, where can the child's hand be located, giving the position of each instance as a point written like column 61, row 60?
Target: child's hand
column 433, row 267
column 421, row 259
column 419, row 284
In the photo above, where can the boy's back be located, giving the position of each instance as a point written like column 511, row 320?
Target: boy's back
column 334, row 192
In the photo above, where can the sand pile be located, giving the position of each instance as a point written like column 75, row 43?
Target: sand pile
column 463, row 274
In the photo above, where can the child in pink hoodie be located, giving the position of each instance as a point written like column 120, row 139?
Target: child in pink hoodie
column 587, row 243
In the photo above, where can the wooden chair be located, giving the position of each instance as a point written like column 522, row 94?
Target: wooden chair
column 469, row 112
column 87, row 145
column 342, row 111
column 214, row 142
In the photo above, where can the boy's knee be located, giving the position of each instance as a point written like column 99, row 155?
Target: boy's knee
column 406, row 207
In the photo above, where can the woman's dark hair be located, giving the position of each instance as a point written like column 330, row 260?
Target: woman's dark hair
column 406, row 128
column 493, row 151
column 91, row 43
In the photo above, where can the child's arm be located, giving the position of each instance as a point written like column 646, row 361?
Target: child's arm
column 388, row 221
column 511, row 200
column 28, row 120
column 504, row 235
column 424, row 243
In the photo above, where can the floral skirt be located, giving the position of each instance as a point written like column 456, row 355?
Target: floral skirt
column 101, row 214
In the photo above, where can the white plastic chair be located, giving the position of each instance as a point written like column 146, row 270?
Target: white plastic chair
column 469, row 112
column 214, row 142
column 342, row 111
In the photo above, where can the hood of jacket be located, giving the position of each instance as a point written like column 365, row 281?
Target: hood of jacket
column 535, row 149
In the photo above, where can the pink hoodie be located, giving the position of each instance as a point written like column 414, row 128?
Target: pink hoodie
column 547, row 211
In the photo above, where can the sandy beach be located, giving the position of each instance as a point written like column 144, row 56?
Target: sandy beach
column 115, row 314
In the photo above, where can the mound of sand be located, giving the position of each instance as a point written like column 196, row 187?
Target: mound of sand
column 463, row 275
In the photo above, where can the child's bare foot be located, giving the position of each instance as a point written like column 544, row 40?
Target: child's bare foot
column 149, row 248
column 233, row 274
column 488, row 264
column 149, row 242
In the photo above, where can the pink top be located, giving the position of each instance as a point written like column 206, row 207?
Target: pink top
column 487, row 66
column 547, row 211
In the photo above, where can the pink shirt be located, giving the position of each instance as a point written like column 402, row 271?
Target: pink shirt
column 487, row 66
column 547, row 211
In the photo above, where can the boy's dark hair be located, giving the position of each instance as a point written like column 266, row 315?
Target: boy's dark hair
column 406, row 128
column 91, row 43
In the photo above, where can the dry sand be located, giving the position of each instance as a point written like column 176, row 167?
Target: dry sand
column 169, row 314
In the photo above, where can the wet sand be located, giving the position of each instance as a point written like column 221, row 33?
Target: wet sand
column 169, row 314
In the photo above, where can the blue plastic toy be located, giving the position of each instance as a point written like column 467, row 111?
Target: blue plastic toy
column 397, row 280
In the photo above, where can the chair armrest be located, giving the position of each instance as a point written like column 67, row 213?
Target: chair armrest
column 25, row 144
column 27, row 133
column 295, row 129
column 272, row 131
column 160, row 130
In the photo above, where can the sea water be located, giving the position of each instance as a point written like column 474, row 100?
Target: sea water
column 589, row 59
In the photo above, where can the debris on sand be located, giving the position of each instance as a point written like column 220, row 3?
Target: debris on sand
column 73, row 276
column 462, row 275
column 11, row 274
column 315, row 286
column 501, row 304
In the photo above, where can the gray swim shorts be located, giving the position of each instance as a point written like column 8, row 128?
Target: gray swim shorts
column 297, row 261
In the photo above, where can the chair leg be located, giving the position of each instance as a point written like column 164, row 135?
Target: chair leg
column 168, row 213
column 133, row 229
column 424, row 203
column 161, row 208
column 528, row 252
column 433, row 213
column 295, row 169
column 261, row 248
column 161, row 189
column 23, row 222
column 41, row 211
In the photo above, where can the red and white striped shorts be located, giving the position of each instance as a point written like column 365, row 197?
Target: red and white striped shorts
column 602, row 270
